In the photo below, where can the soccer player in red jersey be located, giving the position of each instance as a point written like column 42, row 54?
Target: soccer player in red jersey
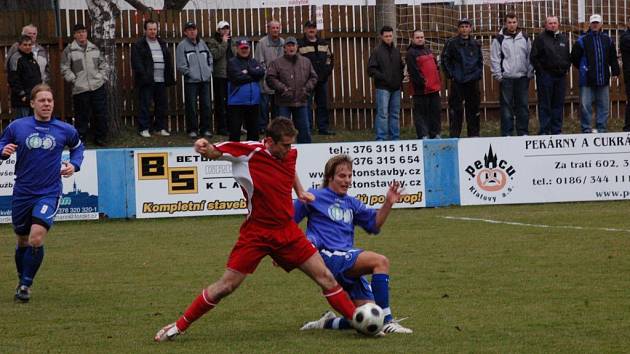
column 266, row 173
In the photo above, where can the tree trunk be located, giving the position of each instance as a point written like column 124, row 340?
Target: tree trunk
column 385, row 15
column 103, row 14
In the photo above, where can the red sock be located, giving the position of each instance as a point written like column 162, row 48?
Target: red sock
column 340, row 301
column 198, row 308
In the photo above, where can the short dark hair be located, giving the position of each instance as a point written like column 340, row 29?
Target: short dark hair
column 416, row 31
column 149, row 21
column 510, row 15
column 331, row 167
column 386, row 28
column 24, row 38
column 279, row 127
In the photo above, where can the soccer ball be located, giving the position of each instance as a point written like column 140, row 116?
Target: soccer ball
column 368, row 319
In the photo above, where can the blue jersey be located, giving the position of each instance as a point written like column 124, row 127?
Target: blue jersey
column 332, row 217
column 39, row 149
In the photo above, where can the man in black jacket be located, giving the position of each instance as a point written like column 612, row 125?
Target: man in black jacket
column 153, row 71
column 23, row 75
column 318, row 52
column 551, row 60
column 386, row 67
column 462, row 62
column 624, row 47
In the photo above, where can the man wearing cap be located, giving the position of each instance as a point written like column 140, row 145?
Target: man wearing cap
column 551, row 60
column 269, row 48
column 84, row 66
column 624, row 48
column 317, row 50
column 244, row 73
column 293, row 79
column 509, row 56
column 221, row 49
column 386, row 67
column 595, row 56
column 152, row 66
column 462, row 62
column 194, row 61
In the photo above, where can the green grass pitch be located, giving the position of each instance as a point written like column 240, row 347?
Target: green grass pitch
column 466, row 286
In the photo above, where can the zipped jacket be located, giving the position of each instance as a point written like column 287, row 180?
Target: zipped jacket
column 423, row 70
column 320, row 55
column 509, row 56
column 386, row 67
column 194, row 61
column 85, row 68
column 243, row 75
column 293, row 79
column 595, row 56
column 462, row 59
column 550, row 53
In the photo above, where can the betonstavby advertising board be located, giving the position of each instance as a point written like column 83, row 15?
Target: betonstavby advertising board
column 80, row 191
column 541, row 169
column 174, row 182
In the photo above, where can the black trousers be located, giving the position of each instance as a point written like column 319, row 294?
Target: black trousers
column 243, row 115
column 219, row 90
column 427, row 110
column 90, row 113
column 467, row 92
column 155, row 93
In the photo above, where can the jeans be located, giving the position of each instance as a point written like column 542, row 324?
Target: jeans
column 300, row 119
column 267, row 101
column 219, row 88
column 551, row 91
column 193, row 90
column 387, row 114
column 600, row 95
column 155, row 93
column 243, row 115
column 427, row 110
column 514, row 96
column 90, row 111
column 467, row 92
column 22, row 112
column 320, row 95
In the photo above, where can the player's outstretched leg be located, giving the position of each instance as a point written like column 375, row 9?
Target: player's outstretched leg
column 203, row 303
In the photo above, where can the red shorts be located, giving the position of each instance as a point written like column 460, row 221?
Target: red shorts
column 288, row 246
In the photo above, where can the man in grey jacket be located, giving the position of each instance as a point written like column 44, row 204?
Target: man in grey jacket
column 509, row 57
column 84, row 65
column 194, row 61
column 269, row 48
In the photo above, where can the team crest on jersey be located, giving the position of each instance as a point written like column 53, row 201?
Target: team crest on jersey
column 35, row 141
column 336, row 213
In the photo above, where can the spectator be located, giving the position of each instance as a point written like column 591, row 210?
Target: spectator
column 293, row 78
column 269, row 48
column 23, row 75
column 595, row 56
column 39, row 53
column 318, row 52
column 194, row 61
column 624, row 47
column 221, row 49
column 84, row 65
column 550, row 58
column 425, row 87
column 462, row 62
column 153, row 71
column 385, row 66
column 509, row 57
column 244, row 73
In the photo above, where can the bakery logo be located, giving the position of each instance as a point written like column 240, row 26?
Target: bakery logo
column 490, row 178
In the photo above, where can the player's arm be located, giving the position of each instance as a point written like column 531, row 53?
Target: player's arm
column 303, row 196
column 68, row 168
column 393, row 194
column 204, row 148
column 7, row 145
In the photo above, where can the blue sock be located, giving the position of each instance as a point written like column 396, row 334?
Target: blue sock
column 337, row 323
column 19, row 259
column 33, row 258
column 380, row 288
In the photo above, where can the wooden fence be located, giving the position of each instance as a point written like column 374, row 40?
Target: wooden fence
column 351, row 31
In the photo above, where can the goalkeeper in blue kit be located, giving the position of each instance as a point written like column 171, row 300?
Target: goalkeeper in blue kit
column 332, row 217
column 38, row 142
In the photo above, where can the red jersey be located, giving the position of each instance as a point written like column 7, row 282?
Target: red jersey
column 266, row 182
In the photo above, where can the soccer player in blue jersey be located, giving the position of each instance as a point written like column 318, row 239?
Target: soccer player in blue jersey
column 331, row 220
column 38, row 141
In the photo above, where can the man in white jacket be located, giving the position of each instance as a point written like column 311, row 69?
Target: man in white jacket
column 511, row 66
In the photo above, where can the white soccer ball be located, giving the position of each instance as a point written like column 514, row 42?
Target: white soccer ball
column 368, row 319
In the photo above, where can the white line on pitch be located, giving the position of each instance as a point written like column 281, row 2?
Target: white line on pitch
column 542, row 226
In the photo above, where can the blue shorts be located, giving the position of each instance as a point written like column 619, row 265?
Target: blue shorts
column 26, row 211
column 339, row 262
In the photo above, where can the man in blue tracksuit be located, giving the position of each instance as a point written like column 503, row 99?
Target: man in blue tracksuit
column 595, row 56
column 38, row 142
